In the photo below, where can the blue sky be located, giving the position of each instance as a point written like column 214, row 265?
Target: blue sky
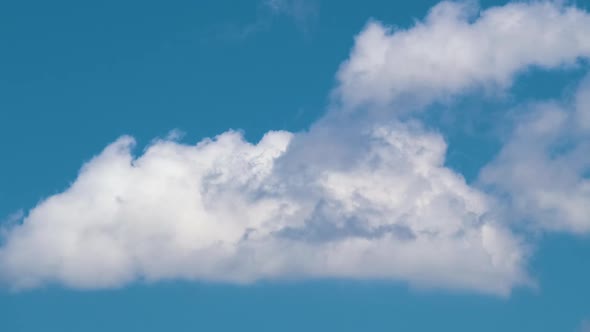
column 391, row 166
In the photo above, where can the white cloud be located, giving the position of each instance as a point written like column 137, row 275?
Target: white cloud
column 351, row 198
column 456, row 49
column 545, row 166
column 221, row 210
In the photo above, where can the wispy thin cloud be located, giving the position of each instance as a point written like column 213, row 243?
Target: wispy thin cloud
column 303, row 13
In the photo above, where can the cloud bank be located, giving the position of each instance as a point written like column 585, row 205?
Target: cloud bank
column 355, row 196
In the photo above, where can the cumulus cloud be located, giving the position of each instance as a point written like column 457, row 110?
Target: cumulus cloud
column 458, row 47
column 353, row 197
column 224, row 210
column 544, row 166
